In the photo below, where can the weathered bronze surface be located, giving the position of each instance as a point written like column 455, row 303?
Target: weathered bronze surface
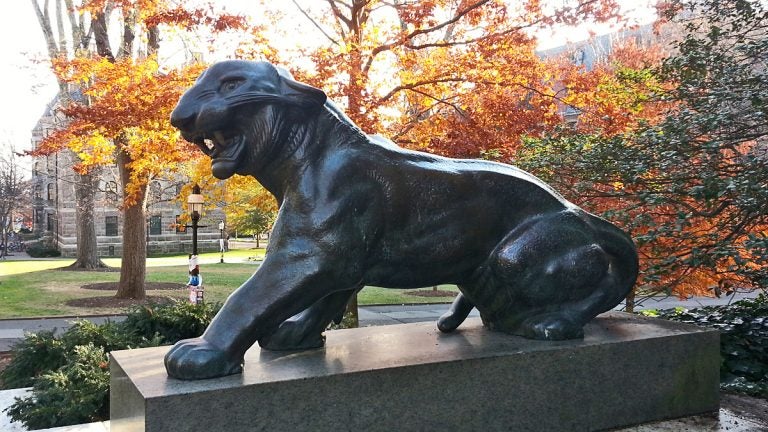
column 358, row 210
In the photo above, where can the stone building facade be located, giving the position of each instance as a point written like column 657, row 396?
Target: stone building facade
column 53, row 211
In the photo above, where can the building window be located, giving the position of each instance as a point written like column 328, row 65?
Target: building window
column 110, row 192
column 180, row 227
column 110, row 226
column 38, row 192
column 155, row 225
column 50, row 191
column 49, row 222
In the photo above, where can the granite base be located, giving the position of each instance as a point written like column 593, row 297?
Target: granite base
column 627, row 370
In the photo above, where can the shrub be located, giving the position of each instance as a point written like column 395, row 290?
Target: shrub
column 743, row 341
column 35, row 354
column 109, row 336
column 70, row 374
column 171, row 322
column 44, row 352
column 76, row 393
column 42, row 250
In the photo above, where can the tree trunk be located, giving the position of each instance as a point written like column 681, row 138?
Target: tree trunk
column 352, row 315
column 134, row 264
column 630, row 301
column 87, row 251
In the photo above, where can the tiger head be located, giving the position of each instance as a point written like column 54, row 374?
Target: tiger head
column 239, row 112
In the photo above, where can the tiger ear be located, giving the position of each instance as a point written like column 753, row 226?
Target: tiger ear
column 299, row 93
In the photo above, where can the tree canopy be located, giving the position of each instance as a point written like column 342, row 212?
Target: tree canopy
column 669, row 143
column 119, row 112
column 691, row 183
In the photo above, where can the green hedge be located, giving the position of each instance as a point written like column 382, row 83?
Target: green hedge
column 41, row 250
column 743, row 341
column 69, row 374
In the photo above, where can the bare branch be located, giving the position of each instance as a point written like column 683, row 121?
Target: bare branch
column 340, row 16
column 413, row 85
column 101, row 36
column 77, row 28
column 388, row 46
column 60, row 28
column 126, row 44
column 457, row 17
column 315, row 23
column 441, row 101
column 45, row 25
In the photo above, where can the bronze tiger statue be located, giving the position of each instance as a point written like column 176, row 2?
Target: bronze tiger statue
column 358, row 210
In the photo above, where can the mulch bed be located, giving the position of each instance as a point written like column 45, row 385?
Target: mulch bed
column 112, row 286
column 112, row 302
column 431, row 293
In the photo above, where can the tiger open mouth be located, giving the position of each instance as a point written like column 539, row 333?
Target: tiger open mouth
column 218, row 145
column 223, row 149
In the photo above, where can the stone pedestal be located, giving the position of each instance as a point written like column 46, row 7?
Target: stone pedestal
column 627, row 370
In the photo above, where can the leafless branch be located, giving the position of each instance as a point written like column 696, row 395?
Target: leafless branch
column 315, row 23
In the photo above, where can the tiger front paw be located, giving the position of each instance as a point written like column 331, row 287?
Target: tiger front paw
column 194, row 359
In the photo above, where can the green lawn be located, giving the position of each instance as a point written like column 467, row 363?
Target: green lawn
column 34, row 288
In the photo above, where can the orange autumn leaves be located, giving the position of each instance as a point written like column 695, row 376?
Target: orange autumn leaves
column 460, row 78
column 128, row 98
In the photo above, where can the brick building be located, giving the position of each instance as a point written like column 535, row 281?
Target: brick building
column 53, row 211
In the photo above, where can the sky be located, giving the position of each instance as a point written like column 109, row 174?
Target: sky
column 29, row 85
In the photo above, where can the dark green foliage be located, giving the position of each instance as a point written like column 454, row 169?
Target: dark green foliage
column 743, row 341
column 693, row 186
column 76, row 393
column 180, row 320
column 110, row 336
column 70, row 373
column 41, row 250
column 35, row 354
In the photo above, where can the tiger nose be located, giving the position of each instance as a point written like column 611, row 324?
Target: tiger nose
column 182, row 119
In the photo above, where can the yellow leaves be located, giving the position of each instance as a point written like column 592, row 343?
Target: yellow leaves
column 127, row 102
column 93, row 150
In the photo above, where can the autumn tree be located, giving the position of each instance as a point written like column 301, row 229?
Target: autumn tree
column 692, row 186
column 248, row 207
column 129, row 100
column 415, row 70
column 72, row 38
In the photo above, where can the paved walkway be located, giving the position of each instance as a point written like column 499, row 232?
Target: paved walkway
column 11, row 331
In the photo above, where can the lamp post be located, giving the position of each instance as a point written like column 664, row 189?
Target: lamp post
column 195, row 202
column 221, row 241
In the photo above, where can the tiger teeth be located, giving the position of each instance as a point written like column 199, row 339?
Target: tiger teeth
column 208, row 143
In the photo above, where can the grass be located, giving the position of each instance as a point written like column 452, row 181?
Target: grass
column 34, row 288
